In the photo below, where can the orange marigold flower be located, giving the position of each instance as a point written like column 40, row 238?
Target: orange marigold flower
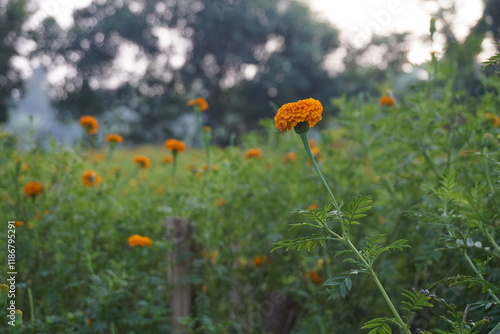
column 143, row 161
column 175, row 145
column 495, row 118
column 137, row 240
column 312, row 143
column 386, row 100
column 114, row 138
column 312, row 206
column 33, row 188
column 18, row 223
column 204, row 288
column 314, row 277
column 90, row 178
column 220, row 202
column 258, row 260
column 253, row 153
column 168, row 159
column 206, row 128
column 212, row 256
column 200, row 102
column 90, row 124
column 315, row 150
column 292, row 156
column 291, row 114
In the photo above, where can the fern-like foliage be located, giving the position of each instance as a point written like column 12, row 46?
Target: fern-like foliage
column 300, row 243
column 470, row 282
column 380, row 325
column 341, row 283
column 493, row 60
column 374, row 249
column 415, row 301
column 356, row 209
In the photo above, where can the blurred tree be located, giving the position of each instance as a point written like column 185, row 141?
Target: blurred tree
column 13, row 14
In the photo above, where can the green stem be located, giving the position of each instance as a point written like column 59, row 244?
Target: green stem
column 32, row 307
column 307, row 147
column 473, row 266
column 345, row 237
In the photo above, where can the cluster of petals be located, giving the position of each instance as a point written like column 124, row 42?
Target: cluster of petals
column 291, row 114
column 33, row 188
column 200, row 102
column 175, row 145
column 143, row 161
column 253, row 153
column 90, row 178
column 114, row 138
column 90, row 124
column 137, row 240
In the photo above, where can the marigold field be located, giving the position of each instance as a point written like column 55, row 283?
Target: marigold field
column 91, row 246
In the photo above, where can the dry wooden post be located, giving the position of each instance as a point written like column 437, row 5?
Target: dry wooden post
column 179, row 261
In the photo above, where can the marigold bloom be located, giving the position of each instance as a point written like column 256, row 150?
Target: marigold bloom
column 291, row 156
column 90, row 178
column 200, row 102
column 143, row 161
column 258, row 260
column 312, row 206
column 175, row 145
column 314, row 277
column 386, row 100
column 253, row 153
column 168, row 159
column 291, row 114
column 206, row 128
column 212, row 256
column 315, row 150
column 114, row 138
column 220, row 202
column 90, row 124
column 33, row 188
column 204, row 288
column 18, row 223
column 312, row 143
column 137, row 240
column 495, row 118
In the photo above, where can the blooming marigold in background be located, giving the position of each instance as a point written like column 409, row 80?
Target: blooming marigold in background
column 253, row 153
column 258, row 260
column 204, row 288
column 137, row 240
column 386, row 100
column 114, row 138
column 168, row 159
column 33, row 188
column 18, row 223
column 200, row 102
column 206, row 128
column 292, row 156
column 495, row 118
column 90, row 124
column 312, row 206
column 90, row 178
column 291, row 114
column 175, row 145
column 142, row 161
column 312, row 143
column 220, row 202
column 314, row 277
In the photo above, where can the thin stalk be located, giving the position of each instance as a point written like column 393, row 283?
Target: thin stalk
column 31, row 305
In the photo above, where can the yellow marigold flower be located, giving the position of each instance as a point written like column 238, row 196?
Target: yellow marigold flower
column 220, row 202
column 253, row 153
column 175, row 145
column 200, row 102
column 168, row 159
column 90, row 178
column 315, row 150
column 33, row 188
column 137, row 240
column 206, row 128
column 314, row 277
column 90, row 124
column 386, row 100
column 495, row 118
column 143, row 161
column 291, row 114
column 18, row 223
column 312, row 206
column 114, row 138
